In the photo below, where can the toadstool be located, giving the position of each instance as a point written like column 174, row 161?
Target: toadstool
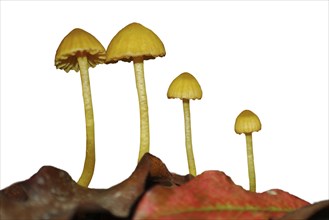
column 78, row 51
column 137, row 43
column 186, row 87
column 248, row 122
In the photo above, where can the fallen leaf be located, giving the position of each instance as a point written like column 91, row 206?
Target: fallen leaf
column 213, row 195
column 151, row 192
column 52, row 194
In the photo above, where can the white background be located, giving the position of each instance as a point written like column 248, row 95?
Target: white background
column 270, row 57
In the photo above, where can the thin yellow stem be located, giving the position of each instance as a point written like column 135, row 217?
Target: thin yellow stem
column 143, row 108
column 251, row 166
column 188, row 137
column 89, row 165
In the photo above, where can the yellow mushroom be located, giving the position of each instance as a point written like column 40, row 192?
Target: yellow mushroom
column 186, row 87
column 248, row 122
column 137, row 43
column 78, row 51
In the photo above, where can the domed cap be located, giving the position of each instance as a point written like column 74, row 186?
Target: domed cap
column 132, row 41
column 185, row 86
column 79, row 43
column 247, row 122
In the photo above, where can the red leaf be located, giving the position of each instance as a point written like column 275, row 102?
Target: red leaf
column 213, row 195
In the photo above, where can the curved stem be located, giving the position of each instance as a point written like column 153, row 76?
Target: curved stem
column 143, row 108
column 188, row 137
column 251, row 166
column 89, row 165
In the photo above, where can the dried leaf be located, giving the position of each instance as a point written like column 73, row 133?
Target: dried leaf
column 52, row 194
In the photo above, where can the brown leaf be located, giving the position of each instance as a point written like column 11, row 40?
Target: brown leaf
column 52, row 194
column 213, row 195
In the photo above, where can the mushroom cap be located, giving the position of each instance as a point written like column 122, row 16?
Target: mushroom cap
column 185, row 86
column 133, row 41
column 247, row 122
column 79, row 43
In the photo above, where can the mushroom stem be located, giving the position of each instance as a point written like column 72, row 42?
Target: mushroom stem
column 188, row 137
column 251, row 166
column 89, row 165
column 143, row 108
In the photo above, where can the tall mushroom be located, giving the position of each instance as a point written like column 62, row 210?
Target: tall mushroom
column 248, row 122
column 79, row 50
column 186, row 87
column 137, row 43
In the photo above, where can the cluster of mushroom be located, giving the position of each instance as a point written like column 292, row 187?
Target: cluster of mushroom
column 80, row 50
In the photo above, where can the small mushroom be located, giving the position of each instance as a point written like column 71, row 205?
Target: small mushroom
column 248, row 122
column 186, row 87
column 79, row 50
column 137, row 43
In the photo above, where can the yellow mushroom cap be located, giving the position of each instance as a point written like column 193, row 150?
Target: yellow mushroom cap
column 185, row 86
column 247, row 122
column 79, row 43
column 132, row 41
